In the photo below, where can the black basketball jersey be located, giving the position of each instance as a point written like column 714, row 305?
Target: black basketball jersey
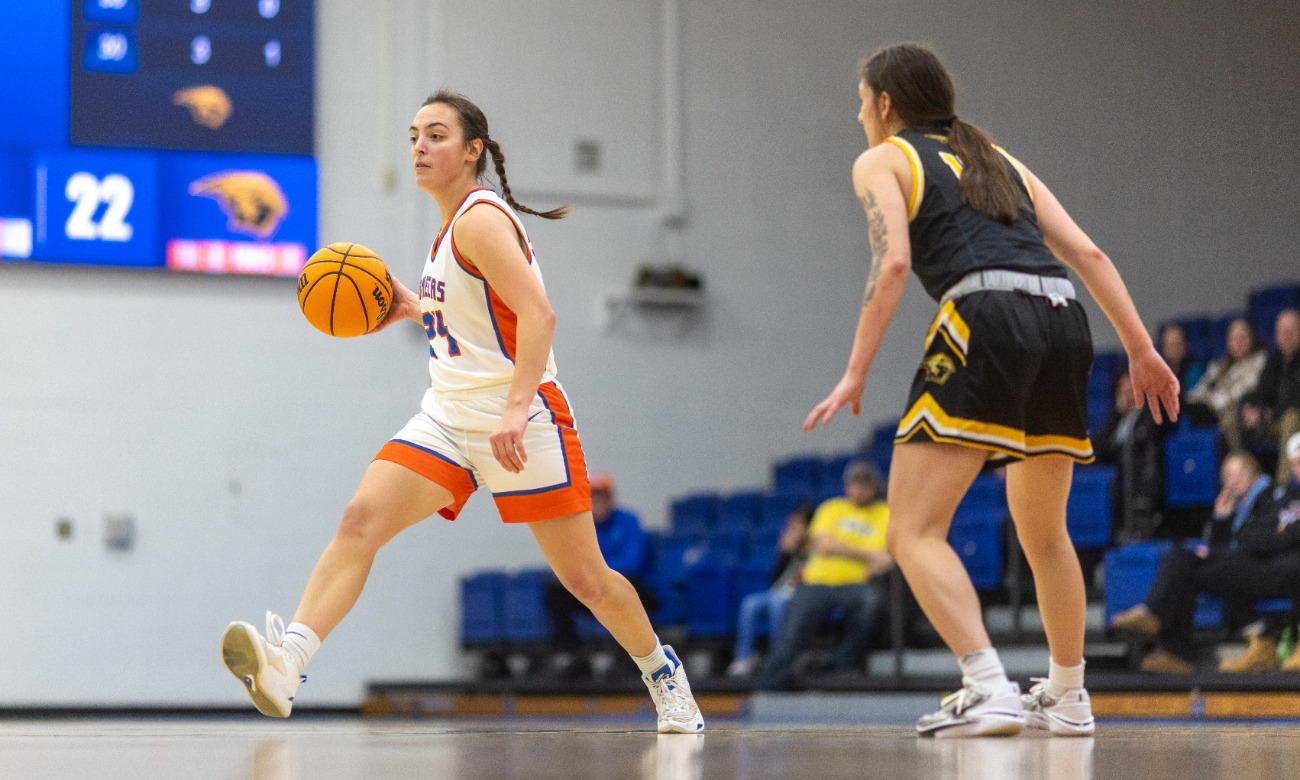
column 949, row 238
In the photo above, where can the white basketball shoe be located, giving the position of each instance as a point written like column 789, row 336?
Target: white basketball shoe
column 976, row 712
column 1068, row 716
column 678, row 713
column 262, row 665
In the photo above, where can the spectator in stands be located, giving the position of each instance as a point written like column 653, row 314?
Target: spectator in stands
column 1270, row 414
column 792, row 551
column 1134, row 442
column 1214, row 399
column 1173, row 348
column 1217, row 566
column 847, row 542
column 626, row 549
column 1276, row 538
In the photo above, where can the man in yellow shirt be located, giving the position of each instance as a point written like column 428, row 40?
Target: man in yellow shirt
column 842, row 575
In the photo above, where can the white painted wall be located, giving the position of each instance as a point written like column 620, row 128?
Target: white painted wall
column 235, row 434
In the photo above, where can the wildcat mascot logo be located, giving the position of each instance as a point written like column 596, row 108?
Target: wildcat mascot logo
column 254, row 201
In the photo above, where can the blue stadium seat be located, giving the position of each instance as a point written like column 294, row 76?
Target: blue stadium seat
column 796, row 475
column 1129, row 572
column 1266, row 303
column 739, row 511
column 526, row 617
column 1131, row 569
column 589, row 628
column 694, row 514
column 1199, row 332
column 726, row 546
column 1089, row 510
column 831, row 476
column 1106, row 368
column 1191, row 467
column 710, row 601
column 774, row 509
column 482, row 607
column 882, row 445
column 976, row 536
column 988, row 491
column 1108, row 365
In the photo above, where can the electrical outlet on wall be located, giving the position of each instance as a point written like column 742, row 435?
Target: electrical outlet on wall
column 119, row 530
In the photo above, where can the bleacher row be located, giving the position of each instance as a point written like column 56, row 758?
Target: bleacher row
column 721, row 547
column 1191, row 453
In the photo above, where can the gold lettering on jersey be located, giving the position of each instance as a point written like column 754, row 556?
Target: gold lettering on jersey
column 953, row 162
column 938, row 368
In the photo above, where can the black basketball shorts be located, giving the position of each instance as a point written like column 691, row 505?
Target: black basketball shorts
column 1005, row 372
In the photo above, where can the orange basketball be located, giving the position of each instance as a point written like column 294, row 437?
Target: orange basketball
column 344, row 290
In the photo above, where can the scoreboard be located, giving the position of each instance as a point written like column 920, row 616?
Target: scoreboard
column 165, row 134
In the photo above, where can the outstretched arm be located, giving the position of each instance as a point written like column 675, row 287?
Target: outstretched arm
column 1154, row 384
column 877, row 181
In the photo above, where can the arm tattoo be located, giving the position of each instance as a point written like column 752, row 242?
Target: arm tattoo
column 879, row 242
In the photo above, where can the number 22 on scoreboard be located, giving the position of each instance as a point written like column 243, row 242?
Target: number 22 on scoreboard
column 87, row 193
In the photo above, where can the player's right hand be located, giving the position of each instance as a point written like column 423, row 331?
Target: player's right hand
column 406, row 305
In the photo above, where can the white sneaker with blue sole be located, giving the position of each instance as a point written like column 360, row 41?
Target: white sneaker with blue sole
column 678, row 712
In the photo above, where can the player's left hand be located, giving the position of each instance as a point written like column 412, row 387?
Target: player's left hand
column 508, row 440
column 1154, row 385
column 847, row 392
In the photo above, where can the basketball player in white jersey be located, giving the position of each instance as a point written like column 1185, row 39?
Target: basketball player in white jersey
column 494, row 415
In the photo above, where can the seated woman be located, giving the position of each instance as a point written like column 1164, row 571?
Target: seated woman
column 1173, row 348
column 792, row 551
column 1214, row 399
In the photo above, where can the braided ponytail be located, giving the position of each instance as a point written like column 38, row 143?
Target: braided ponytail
column 499, row 163
column 474, row 126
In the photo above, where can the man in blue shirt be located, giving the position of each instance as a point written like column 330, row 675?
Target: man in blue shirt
column 627, row 551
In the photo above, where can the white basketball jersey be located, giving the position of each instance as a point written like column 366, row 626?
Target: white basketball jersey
column 471, row 330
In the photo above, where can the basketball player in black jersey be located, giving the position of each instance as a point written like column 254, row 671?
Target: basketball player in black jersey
column 1004, row 375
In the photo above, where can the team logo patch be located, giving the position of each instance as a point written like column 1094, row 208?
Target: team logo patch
column 938, row 368
column 254, row 201
column 209, row 105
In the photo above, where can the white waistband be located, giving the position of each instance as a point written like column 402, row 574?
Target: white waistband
column 1058, row 291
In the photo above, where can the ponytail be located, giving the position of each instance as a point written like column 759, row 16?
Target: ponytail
column 986, row 182
column 499, row 163
column 923, row 94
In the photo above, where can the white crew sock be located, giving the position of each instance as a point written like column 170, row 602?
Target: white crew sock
column 984, row 669
column 654, row 663
column 1063, row 679
column 301, row 643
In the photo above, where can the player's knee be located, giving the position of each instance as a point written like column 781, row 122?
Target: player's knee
column 587, row 585
column 1045, row 543
column 361, row 524
column 898, row 538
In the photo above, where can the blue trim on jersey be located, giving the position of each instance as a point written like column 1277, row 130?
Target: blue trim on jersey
column 564, row 452
column 501, row 343
column 568, row 477
column 534, row 491
column 439, row 456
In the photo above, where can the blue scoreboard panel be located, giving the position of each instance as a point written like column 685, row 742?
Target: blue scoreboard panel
column 165, row 134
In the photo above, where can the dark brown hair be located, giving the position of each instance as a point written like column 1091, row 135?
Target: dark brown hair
column 921, row 90
column 474, row 126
